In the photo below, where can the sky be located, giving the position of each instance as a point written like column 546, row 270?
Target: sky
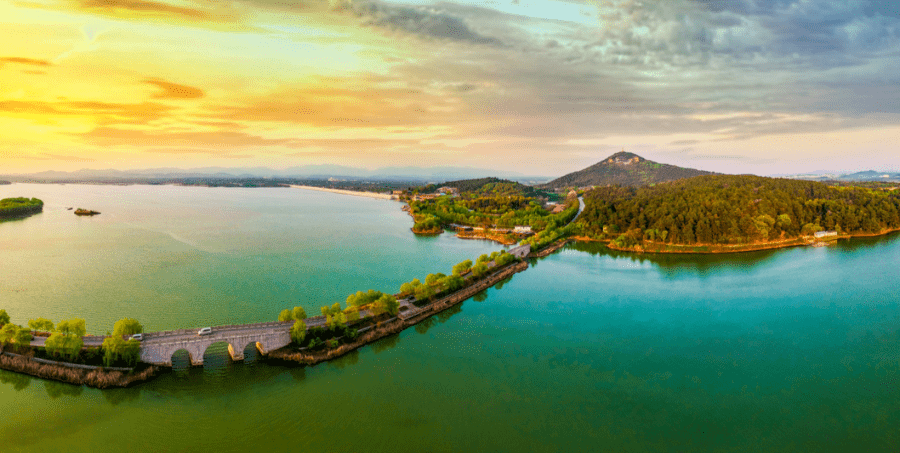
column 541, row 87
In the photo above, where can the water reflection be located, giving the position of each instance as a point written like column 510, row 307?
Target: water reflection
column 18, row 381
column 349, row 359
column 217, row 361
column 298, row 373
column 672, row 265
column 251, row 354
column 426, row 324
column 445, row 315
column 506, row 280
column 388, row 342
column 119, row 396
column 57, row 389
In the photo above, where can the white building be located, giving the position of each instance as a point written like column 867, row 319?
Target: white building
column 520, row 229
column 825, row 234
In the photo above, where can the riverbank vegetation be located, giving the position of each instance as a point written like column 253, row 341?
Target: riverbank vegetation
column 17, row 207
column 727, row 210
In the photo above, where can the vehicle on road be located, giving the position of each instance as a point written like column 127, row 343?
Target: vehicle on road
column 205, row 331
column 138, row 337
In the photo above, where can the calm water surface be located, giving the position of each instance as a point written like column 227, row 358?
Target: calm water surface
column 589, row 350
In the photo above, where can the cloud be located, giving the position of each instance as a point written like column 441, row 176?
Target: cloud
column 112, row 136
column 67, row 158
column 199, row 13
column 357, row 102
column 24, row 61
column 144, row 7
column 428, row 22
column 102, row 112
column 170, row 90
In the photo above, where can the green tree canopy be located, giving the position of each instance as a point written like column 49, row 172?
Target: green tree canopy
column 41, row 325
column 462, row 267
column 389, row 303
column 352, row 314
column 127, row 327
column 431, row 279
column 411, row 286
column 4, row 317
column 8, row 333
column 64, row 345
column 361, row 298
column 115, row 348
column 452, row 282
column 298, row 314
column 424, row 292
column 298, row 331
column 73, row 326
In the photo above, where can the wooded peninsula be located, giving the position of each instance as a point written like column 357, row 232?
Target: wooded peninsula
column 718, row 212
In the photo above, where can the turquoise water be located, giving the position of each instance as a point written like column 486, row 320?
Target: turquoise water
column 589, row 350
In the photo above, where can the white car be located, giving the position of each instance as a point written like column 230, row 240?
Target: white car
column 138, row 337
column 205, row 331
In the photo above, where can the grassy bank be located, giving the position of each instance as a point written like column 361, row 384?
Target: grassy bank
column 96, row 377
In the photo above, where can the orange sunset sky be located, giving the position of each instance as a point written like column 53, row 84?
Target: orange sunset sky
column 544, row 87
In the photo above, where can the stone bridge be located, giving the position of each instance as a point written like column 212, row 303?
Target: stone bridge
column 159, row 347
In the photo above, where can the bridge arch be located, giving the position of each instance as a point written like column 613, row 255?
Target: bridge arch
column 220, row 350
column 253, row 351
column 181, row 359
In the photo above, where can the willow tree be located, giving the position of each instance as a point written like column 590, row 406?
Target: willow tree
column 127, row 327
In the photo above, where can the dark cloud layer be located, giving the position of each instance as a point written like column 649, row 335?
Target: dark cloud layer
column 428, row 22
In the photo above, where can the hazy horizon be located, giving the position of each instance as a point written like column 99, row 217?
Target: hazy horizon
column 539, row 87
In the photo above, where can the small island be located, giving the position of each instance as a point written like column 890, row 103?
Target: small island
column 87, row 212
column 20, row 207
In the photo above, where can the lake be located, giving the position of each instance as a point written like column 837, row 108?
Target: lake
column 588, row 350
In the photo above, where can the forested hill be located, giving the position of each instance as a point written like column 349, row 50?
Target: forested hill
column 487, row 187
column 624, row 169
column 729, row 209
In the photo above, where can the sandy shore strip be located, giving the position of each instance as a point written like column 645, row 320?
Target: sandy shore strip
column 383, row 196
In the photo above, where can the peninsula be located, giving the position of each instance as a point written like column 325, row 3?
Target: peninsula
column 356, row 193
column 733, row 213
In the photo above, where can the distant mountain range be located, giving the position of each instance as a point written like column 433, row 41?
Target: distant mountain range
column 307, row 171
column 626, row 169
column 623, row 168
column 862, row 176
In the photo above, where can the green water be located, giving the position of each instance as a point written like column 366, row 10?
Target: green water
column 791, row 350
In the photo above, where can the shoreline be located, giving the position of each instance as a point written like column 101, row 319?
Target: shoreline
column 381, row 196
column 96, row 377
column 683, row 249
